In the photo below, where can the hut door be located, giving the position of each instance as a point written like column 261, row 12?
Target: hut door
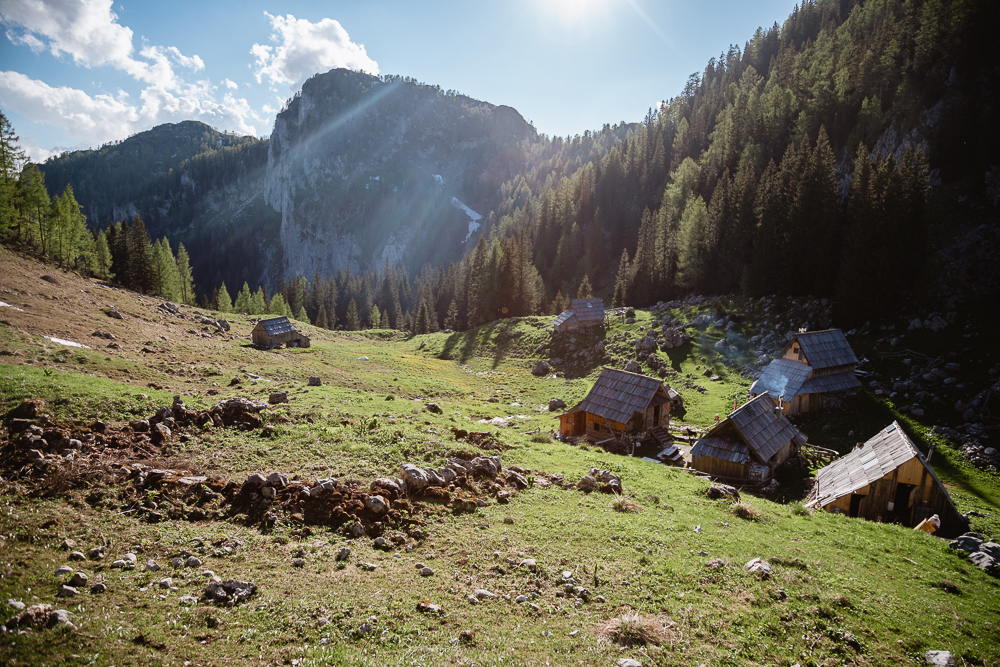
column 901, row 501
column 855, row 510
column 656, row 415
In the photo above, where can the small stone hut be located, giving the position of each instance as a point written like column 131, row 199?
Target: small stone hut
column 618, row 404
column 583, row 314
column 886, row 479
column 749, row 444
column 277, row 331
column 814, row 365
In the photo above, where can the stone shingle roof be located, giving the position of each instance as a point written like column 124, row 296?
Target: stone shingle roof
column 617, row 395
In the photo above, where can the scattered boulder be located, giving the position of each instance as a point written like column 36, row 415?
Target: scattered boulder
column 717, row 491
column 632, row 366
column 557, row 404
column 314, row 381
column 229, row 592
column 541, row 368
column 940, row 658
column 434, row 408
column 277, row 397
column 760, row 567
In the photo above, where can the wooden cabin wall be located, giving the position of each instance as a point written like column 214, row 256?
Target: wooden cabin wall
column 664, row 417
column 719, row 467
column 782, row 455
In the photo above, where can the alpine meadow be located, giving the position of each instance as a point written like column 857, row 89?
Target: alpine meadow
column 405, row 380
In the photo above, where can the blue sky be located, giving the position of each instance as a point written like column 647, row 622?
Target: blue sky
column 78, row 73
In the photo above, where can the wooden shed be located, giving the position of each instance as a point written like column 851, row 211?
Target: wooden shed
column 277, row 331
column 814, row 364
column 886, row 479
column 619, row 404
column 582, row 314
column 749, row 444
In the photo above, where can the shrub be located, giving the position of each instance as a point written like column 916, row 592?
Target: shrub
column 635, row 629
column 798, row 509
column 747, row 512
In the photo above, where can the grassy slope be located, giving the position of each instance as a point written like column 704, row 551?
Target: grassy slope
column 857, row 593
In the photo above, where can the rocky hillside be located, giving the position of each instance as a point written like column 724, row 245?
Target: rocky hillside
column 357, row 170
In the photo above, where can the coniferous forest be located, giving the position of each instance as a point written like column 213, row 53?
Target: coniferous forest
column 827, row 157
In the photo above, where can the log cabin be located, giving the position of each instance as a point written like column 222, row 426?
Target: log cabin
column 814, row 365
column 619, row 404
column 747, row 446
column 277, row 331
column 582, row 314
column 886, row 479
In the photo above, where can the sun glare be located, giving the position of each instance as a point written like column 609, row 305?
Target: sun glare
column 572, row 11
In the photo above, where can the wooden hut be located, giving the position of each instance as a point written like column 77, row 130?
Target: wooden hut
column 749, row 444
column 886, row 479
column 620, row 404
column 814, row 364
column 277, row 331
column 582, row 314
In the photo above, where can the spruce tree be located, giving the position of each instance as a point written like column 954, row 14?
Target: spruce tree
column 103, row 257
column 242, row 305
column 451, row 319
column 322, row 321
column 585, row 291
column 11, row 159
column 224, row 303
column 352, row 322
column 185, row 277
column 623, row 279
column 140, row 257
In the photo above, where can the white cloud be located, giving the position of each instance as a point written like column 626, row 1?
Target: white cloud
column 88, row 32
column 229, row 83
column 306, row 48
column 100, row 118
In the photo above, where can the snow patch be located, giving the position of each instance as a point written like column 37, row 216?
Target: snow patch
column 67, row 343
column 439, row 179
column 7, row 305
column 474, row 217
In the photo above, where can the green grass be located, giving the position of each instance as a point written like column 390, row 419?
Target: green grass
column 844, row 591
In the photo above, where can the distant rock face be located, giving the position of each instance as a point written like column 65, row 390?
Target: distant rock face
column 364, row 170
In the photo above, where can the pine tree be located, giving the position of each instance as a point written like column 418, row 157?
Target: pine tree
column 691, row 244
column 258, row 302
column 451, row 319
column 11, row 159
column 103, row 258
column 301, row 315
column 322, row 321
column 242, row 305
column 585, row 291
column 140, row 258
column 559, row 304
column 352, row 322
column 224, row 303
column 35, row 206
column 185, row 277
column 375, row 317
column 278, row 306
column 622, row 280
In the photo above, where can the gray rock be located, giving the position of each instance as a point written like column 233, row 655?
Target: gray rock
column 314, row 381
column 298, row 562
column 63, row 569
column 483, row 594
column 193, row 561
column 530, row 564
column 376, row 504
column 521, row 599
column 968, row 543
column 434, row 408
column 717, row 491
column 759, row 566
column 79, row 579
column 177, row 563
column 166, row 582
column 516, row 480
column 15, row 604
column 343, row 553
column 96, row 553
column 628, row 662
column 940, row 658
column 187, row 600
column 557, row 404
column 99, row 588
column 277, row 397
column 277, row 480
column 268, row 492
column 152, row 566
column 992, row 549
column 77, row 555
column 61, row 617
column 632, row 366
column 356, row 530
column 426, row 572
column 588, row 484
column 67, row 591
column 414, row 478
column 982, row 560
column 541, row 368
